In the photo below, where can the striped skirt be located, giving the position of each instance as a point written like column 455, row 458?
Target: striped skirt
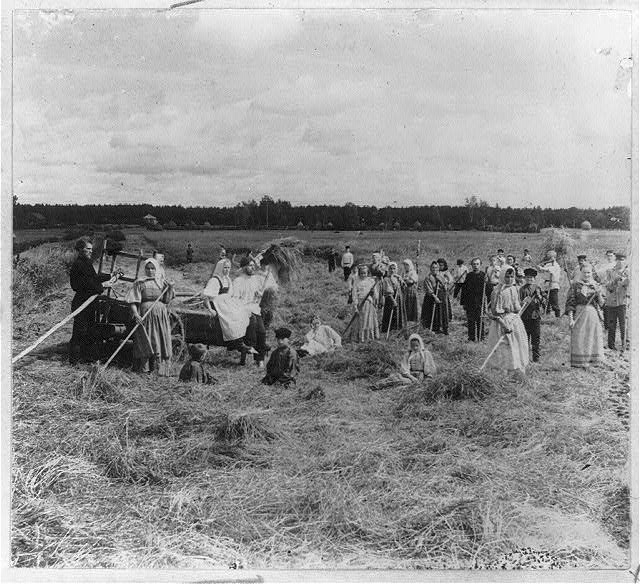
column 586, row 337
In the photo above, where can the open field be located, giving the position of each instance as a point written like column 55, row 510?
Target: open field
column 151, row 473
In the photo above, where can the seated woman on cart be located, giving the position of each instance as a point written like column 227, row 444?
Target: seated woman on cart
column 233, row 315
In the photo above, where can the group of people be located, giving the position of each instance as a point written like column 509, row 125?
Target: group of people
column 506, row 293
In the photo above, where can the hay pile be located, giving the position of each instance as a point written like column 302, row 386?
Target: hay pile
column 563, row 244
column 370, row 360
column 457, row 384
column 285, row 256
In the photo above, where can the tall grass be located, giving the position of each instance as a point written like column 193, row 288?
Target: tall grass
column 40, row 273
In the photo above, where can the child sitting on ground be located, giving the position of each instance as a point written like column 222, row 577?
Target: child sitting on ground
column 282, row 366
column 416, row 365
column 193, row 370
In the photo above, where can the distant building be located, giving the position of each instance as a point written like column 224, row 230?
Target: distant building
column 150, row 220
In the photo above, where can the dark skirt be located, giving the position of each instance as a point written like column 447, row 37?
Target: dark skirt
column 411, row 302
column 392, row 318
column 439, row 314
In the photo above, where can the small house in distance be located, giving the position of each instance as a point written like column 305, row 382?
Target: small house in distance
column 150, row 220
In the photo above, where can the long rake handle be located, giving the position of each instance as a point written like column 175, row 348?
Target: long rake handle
column 122, row 344
column 55, row 328
column 393, row 309
column 433, row 308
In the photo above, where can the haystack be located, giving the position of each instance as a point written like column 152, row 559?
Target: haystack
column 563, row 244
column 284, row 256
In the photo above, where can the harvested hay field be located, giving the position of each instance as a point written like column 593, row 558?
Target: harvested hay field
column 475, row 471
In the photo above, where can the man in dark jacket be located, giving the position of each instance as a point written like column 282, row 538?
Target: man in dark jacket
column 531, row 315
column 472, row 299
column 85, row 283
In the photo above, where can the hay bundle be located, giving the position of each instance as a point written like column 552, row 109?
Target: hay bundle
column 368, row 360
column 456, row 384
column 284, row 256
column 99, row 384
column 563, row 244
column 315, row 393
column 238, row 426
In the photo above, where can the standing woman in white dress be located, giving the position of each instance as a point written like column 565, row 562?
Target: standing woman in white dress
column 512, row 354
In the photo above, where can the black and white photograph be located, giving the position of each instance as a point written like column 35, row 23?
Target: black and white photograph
column 300, row 292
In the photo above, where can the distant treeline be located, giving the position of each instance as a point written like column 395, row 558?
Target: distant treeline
column 269, row 213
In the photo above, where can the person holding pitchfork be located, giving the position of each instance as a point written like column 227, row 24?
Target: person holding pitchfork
column 435, row 313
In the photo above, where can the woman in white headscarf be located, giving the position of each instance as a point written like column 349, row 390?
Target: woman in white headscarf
column 416, row 366
column 152, row 339
column 506, row 331
column 232, row 314
column 410, row 279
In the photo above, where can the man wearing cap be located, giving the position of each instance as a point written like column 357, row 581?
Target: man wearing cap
column 552, row 267
column 617, row 284
column 248, row 288
column 282, row 366
column 347, row 262
column 531, row 315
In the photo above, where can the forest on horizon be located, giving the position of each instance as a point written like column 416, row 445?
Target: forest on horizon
column 270, row 214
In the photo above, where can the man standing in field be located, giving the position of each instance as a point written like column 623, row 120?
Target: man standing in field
column 248, row 288
column 617, row 284
column 472, row 300
column 347, row 262
column 85, row 282
column 459, row 274
column 531, row 315
column 189, row 253
column 552, row 267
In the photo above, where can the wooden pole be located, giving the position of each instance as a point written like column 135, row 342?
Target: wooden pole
column 433, row 308
column 166, row 287
column 393, row 309
column 55, row 328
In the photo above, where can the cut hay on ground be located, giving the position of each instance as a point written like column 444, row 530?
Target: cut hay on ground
column 457, row 384
column 369, row 360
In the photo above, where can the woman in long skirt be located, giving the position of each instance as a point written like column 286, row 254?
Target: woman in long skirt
column 410, row 278
column 506, row 327
column 364, row 291
column 435, row 313
column 448, row 278
column 152, row 339
column 393, row 312
column 586, row 331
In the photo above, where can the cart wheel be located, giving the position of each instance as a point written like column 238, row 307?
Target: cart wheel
column 178, row 342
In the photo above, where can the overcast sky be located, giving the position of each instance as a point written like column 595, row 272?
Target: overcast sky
column 214, row 107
